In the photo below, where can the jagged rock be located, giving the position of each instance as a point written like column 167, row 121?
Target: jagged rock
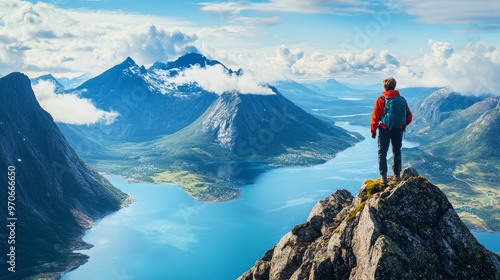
column 409, row 172
column 409, row 230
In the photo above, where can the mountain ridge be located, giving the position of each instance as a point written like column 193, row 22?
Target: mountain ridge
column 48, row 77
column 407, row 230
column 145, row 112
column 56, row 196
column 438, row 107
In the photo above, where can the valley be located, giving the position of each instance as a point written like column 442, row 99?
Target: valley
column 471, row 187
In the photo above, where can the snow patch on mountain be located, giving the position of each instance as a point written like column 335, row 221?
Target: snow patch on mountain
column 157, row 81
column 132, row 71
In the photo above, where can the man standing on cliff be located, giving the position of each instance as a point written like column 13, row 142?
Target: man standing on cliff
column 391, row 115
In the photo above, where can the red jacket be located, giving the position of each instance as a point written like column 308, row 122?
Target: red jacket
column 378, row 111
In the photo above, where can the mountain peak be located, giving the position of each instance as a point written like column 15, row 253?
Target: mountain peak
column 129, row 61
column 18, row 93
column 408, row 230
column 49, row 78
column 130, row 68
column 191, row 59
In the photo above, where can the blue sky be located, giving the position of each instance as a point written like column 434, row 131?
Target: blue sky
column 420, row 42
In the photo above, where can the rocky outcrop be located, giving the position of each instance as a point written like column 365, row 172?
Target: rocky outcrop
column 407, row 230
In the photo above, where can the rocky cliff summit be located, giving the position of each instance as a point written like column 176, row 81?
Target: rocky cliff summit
column 407, row 230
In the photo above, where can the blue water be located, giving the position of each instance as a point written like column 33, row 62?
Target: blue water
column 166, row 234
column 490, row 240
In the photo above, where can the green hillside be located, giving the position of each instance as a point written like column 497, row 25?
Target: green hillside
column 462, row 155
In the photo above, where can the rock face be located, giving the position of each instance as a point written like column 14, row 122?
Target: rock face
column 408, row 230
column 55, row 195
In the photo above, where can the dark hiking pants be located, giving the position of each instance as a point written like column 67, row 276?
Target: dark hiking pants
column 395, row 138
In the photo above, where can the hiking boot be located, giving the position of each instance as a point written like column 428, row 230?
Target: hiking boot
column 383, row 179
column 397, row 178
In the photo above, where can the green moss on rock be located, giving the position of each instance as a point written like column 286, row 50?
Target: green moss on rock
column 371, row 187
column 298, row 227
column 354, row 211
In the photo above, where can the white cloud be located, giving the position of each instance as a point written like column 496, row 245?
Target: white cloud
column 231, row 10
column 441, row 49
column 41, row 38
column 455, row 12
column 388, row 59
column 432, row 12
column 271, row 65
column 324, row 65
column 289, row 57
column 473, row 68
column 70, row 108
column 216, row 79
column 266, row 21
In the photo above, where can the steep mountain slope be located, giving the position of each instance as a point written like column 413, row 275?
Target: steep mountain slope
column 245, row 130
column 479, row 139
column 463, row 118
column 408, row 230
column 278, row 124
column 439, row 106
column 147, row 106
column 56, row 196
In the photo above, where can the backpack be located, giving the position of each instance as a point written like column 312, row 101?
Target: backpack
column 394, row 112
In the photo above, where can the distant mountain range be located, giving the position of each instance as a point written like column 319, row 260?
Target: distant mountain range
column 70, row 83
column 54, row 195
column 333, row 87
column 165, row 129
column 63, row 83
column 49, row 78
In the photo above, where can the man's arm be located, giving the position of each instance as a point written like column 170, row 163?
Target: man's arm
column 378, row 111
column 409, row 116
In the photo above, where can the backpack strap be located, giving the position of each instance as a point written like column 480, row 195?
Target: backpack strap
column 385, row 105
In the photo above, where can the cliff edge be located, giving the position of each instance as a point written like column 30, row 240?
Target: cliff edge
column 48, row 195
column 407, row 230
